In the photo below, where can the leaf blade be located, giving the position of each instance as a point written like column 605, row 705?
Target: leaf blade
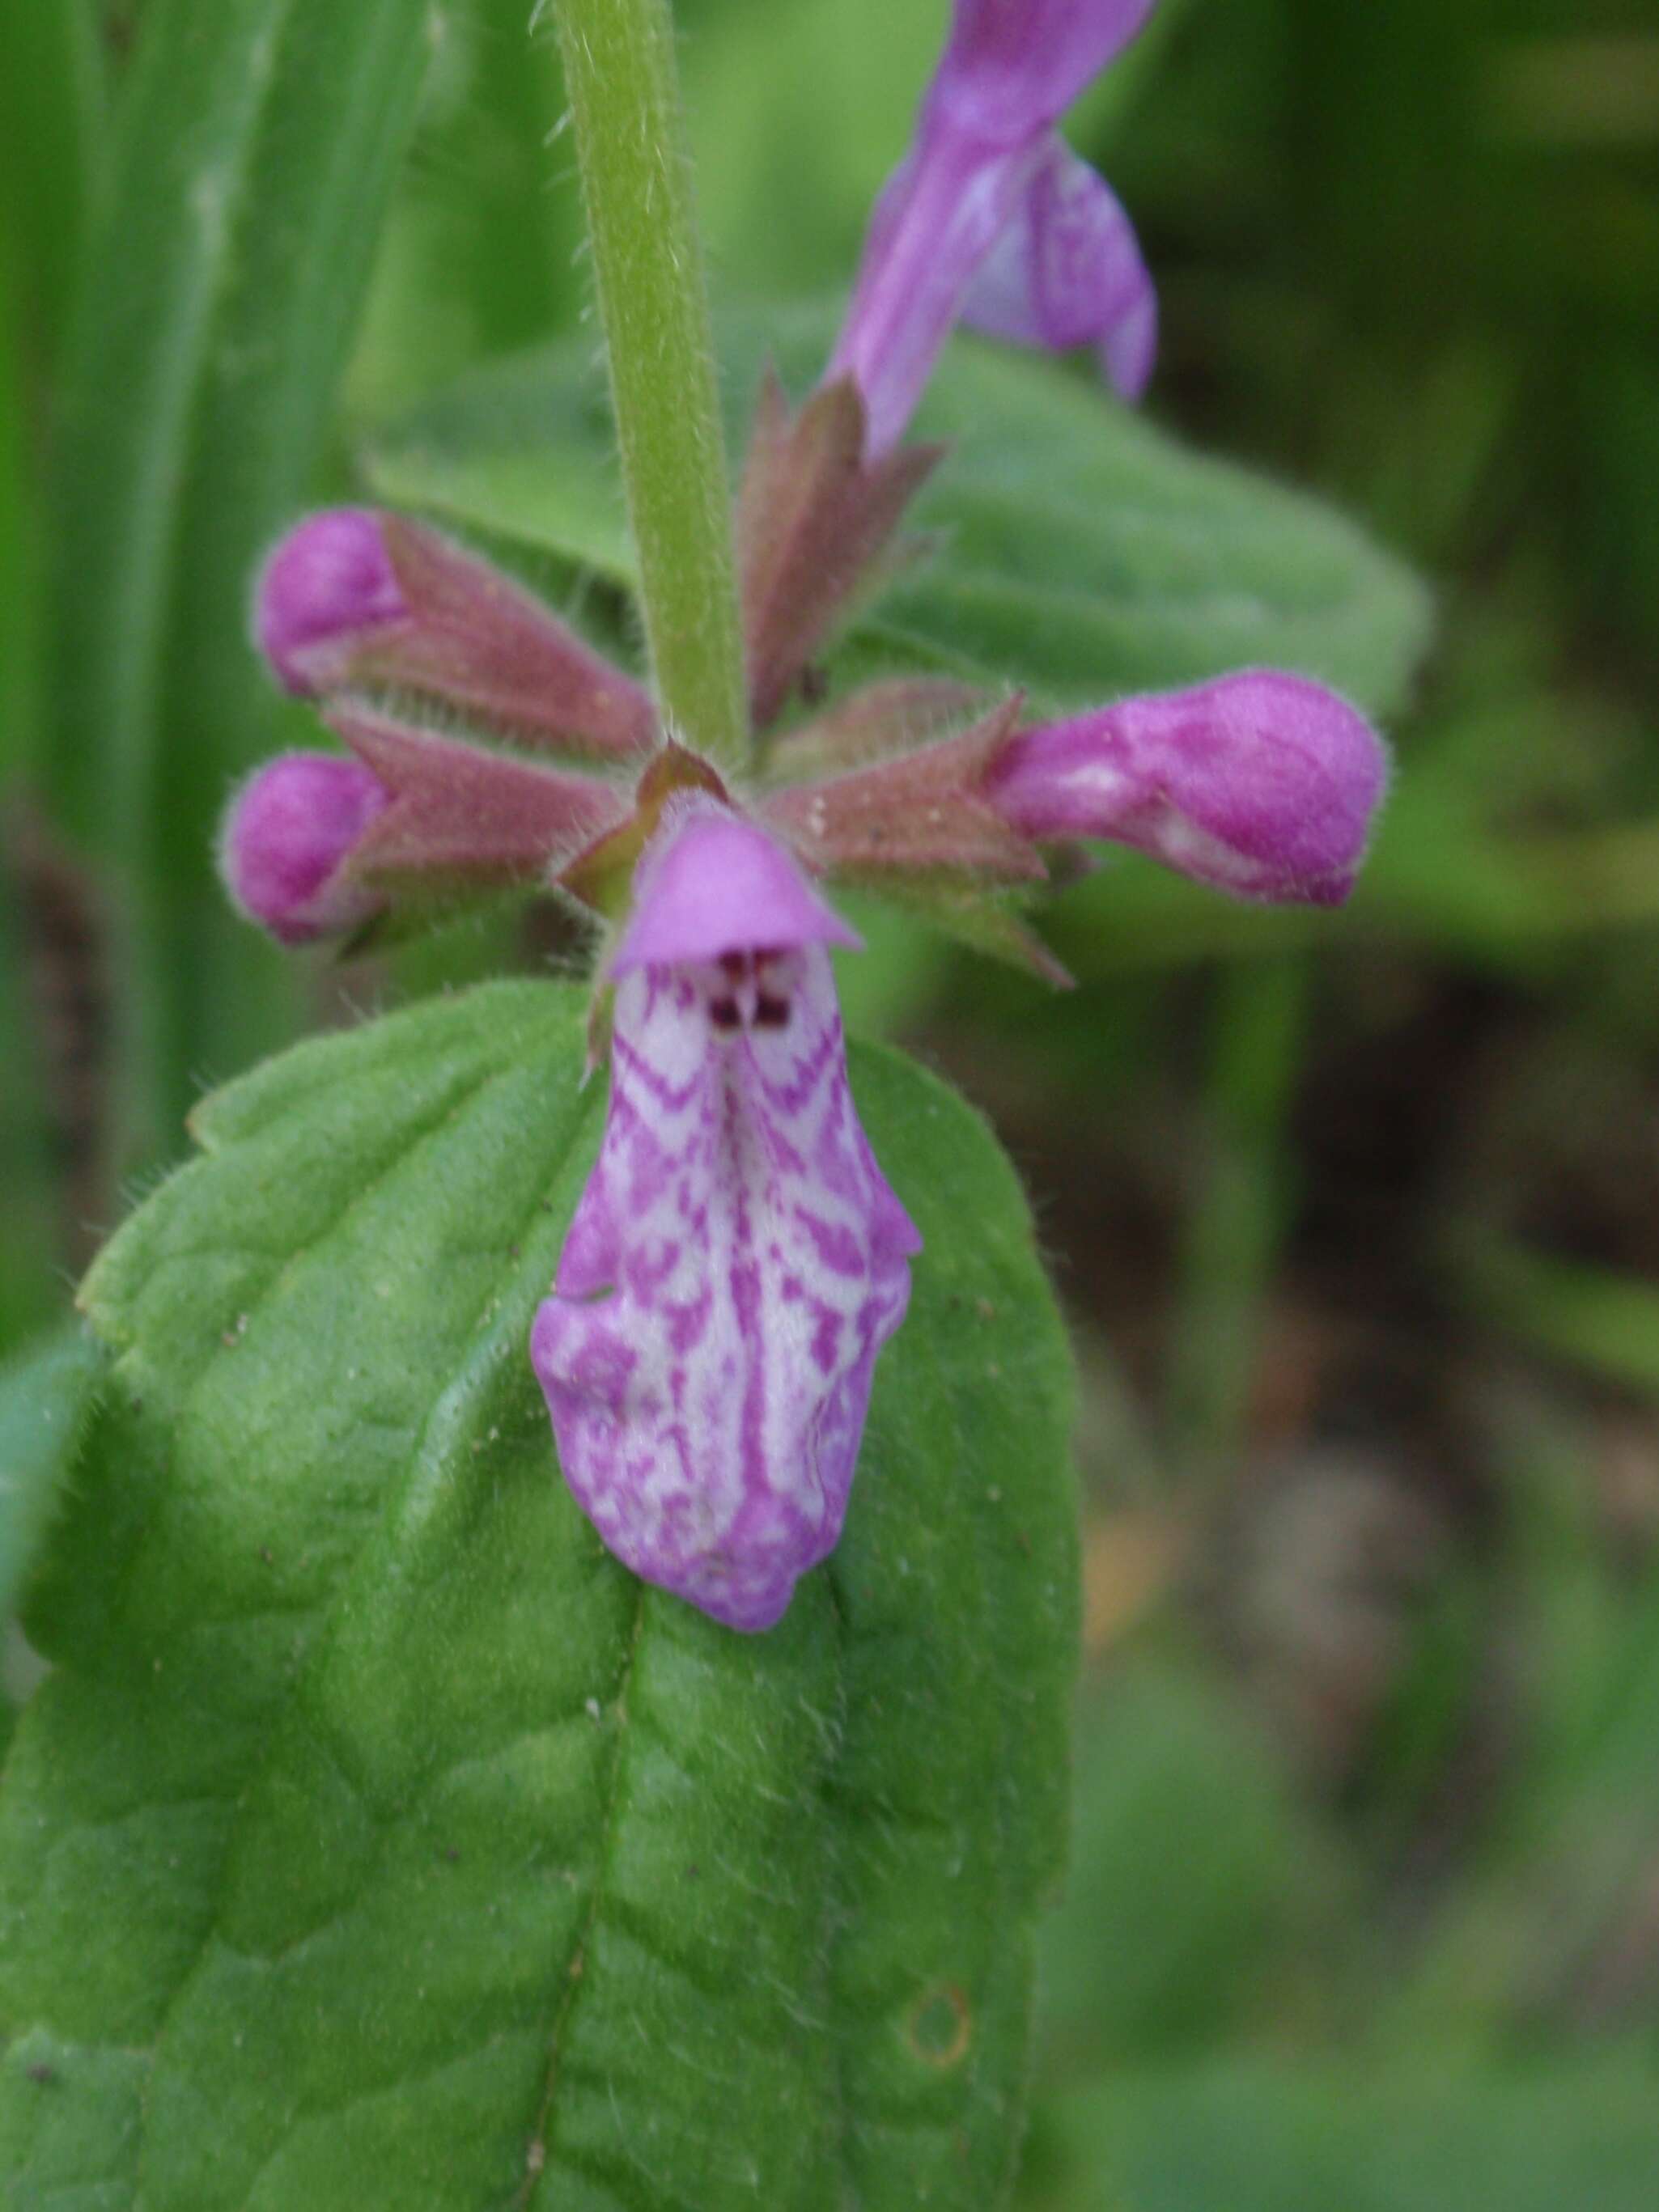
column 254, row 153
column 46, row 1395
column 435, row 1857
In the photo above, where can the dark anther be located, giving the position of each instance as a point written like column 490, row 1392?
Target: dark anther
column 723, row 1012
column 734, row 964
column 771, row 1013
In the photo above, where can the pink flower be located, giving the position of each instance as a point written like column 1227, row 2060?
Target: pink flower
column 355, row 599
column 287, row 839
column 1261, row 784
column 325, row 587
column 991, row 219
column 737, row 1260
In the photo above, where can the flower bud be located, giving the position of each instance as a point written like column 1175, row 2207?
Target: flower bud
column 287, row 836
column 1259, row 784
column 356, row 599
column 327, row 586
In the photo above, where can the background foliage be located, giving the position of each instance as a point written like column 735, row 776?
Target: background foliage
column 1354, row 1220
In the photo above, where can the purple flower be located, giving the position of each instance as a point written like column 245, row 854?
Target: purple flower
column 287, row 838
column 1259, row 784
column 325, row 587
column 737, row 1259
column 990, row 217
column 354, row 597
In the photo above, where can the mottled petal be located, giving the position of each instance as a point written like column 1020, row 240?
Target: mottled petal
column 735, row 1264
column 1260, row 784
column 713, row 884
column 1011, row 67
column 1067, row 271
column 286, row 838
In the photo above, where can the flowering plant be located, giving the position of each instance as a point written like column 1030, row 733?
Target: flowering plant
column 416, row 1827
column 739, row 1258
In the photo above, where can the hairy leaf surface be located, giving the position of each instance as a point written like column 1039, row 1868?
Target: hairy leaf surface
column 378, row 1840
column 47, row 1396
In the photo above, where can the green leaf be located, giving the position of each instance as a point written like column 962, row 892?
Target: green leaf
column 1080, row 552
column 1254, row 2137
column 1590, row 1316
column 30, row 1292
column 1194, row 1873
column 377, row 1839
column 46, row 1397
column 256, row 149
column 54, row 127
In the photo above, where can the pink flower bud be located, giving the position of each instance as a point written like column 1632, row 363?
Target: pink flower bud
column 355, row 599
column 287, row 836
column 327, row 586
column 1259, row 784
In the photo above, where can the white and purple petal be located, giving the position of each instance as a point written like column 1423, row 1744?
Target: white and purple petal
column 737, row 1260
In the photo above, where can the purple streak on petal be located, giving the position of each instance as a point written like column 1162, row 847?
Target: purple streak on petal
column 708, row 1351
column 713, row 883
column 287, row 832
column 1067, row 271
column 1011, row 67
column 325, row 585
column 1259, row 784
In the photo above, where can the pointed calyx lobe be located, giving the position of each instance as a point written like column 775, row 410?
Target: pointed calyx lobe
column 460, row 816
column 738, row 1259
column 921, row 811
column 387, row 624
column 815, row 523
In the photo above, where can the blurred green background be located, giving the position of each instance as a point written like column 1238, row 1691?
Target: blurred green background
column 1355, row 1220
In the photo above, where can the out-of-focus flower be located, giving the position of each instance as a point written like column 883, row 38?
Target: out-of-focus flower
column 737, row 1258
column 990, row 217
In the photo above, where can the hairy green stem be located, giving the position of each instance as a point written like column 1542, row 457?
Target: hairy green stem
column 653, row 302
